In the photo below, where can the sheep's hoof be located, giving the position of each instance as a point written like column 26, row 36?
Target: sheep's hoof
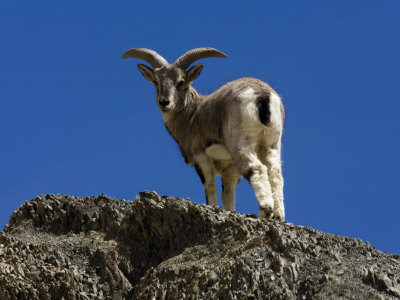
column 265, row 213
column 279, row 218
column 279, row 215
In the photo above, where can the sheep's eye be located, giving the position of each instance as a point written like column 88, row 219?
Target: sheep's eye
column 180, row 84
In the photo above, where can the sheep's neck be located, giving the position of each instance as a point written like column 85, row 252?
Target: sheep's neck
column 179, row 124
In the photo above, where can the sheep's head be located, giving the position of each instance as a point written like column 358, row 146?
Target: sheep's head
column 171, row 81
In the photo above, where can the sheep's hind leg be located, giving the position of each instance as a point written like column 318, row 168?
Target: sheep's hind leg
column 206, row 170
column 276, row 180
column 272, row 159
column 256, row 173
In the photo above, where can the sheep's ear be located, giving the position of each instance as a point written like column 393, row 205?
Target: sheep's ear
column 147, row 72
column 193, row 72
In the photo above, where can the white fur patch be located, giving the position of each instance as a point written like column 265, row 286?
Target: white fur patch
column 247, row 94
column 249, row 109
column 251, row 123
column 218, row 152
column 275, row 107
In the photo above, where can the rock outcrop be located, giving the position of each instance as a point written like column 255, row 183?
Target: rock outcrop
column 62, row 247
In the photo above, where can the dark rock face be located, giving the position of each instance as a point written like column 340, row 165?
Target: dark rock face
column 169, row 248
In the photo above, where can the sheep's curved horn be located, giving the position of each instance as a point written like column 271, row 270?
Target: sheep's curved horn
column 192, row 55
column 152, row 57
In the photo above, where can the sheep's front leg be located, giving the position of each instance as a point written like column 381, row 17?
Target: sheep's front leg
column 230, row 177
column 206, row 170
column 256, row 173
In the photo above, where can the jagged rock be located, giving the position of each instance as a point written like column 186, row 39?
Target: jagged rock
column 169, row 248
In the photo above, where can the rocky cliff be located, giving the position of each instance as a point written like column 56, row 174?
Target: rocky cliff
column 62, row 247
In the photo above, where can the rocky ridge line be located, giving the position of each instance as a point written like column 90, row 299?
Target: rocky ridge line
column 161, row 247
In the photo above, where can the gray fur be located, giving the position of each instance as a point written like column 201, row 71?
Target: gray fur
column 197, row 122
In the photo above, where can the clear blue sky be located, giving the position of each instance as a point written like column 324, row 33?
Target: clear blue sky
column 75, row 119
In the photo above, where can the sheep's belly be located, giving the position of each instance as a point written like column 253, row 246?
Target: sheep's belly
column 218, row 152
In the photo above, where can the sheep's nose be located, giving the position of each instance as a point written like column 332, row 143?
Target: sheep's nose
column 163, row 102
